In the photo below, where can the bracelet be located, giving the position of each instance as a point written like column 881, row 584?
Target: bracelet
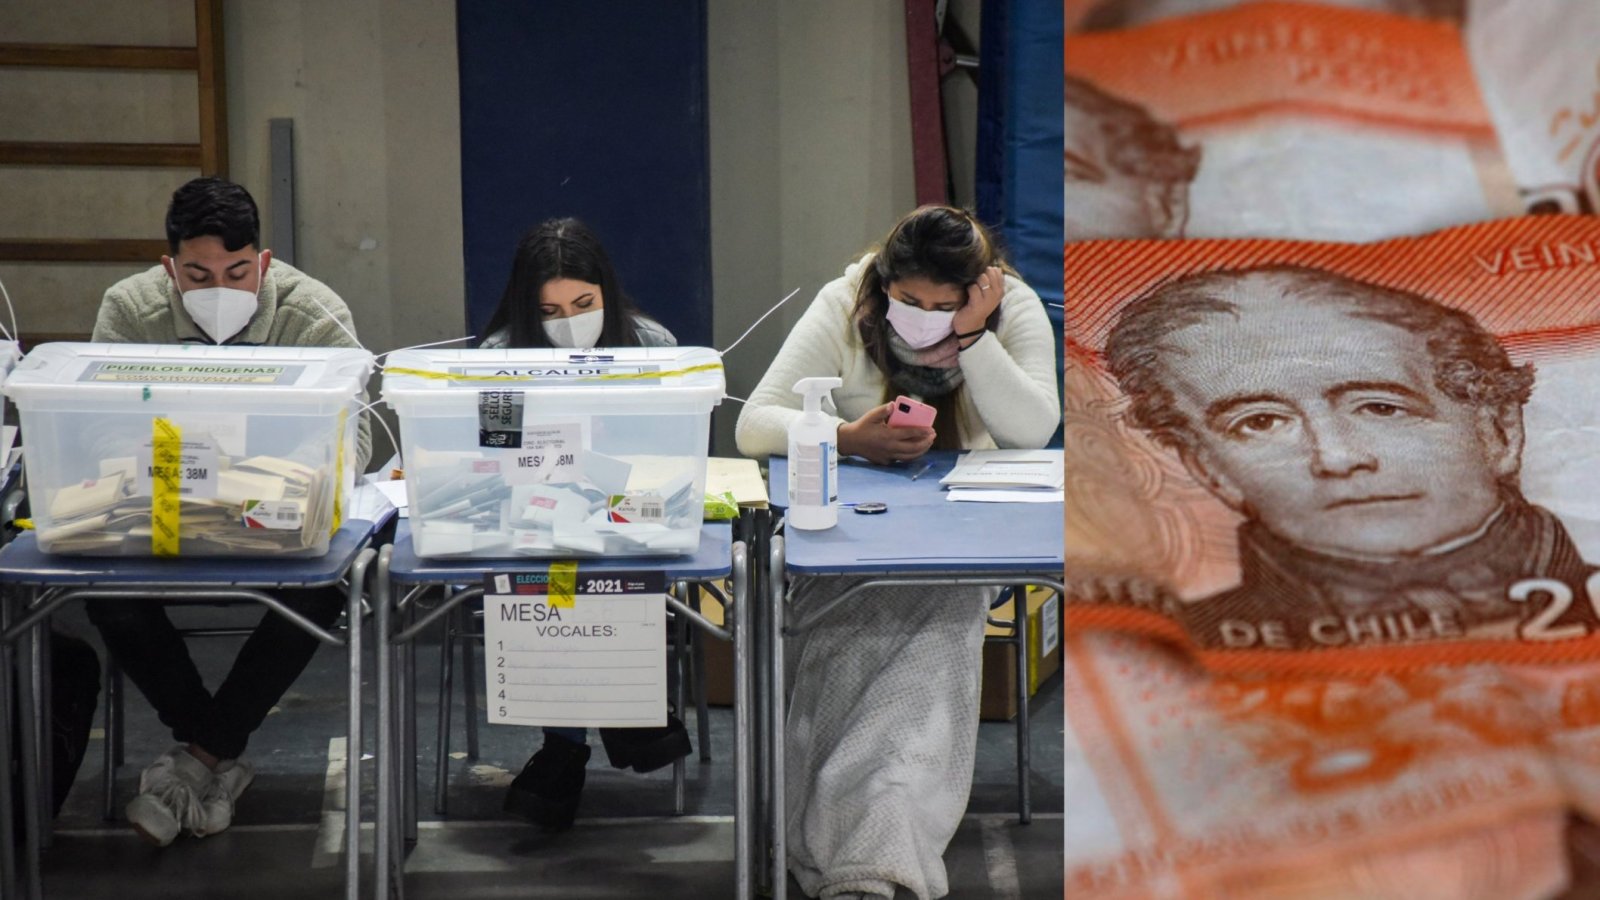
column 961, row 337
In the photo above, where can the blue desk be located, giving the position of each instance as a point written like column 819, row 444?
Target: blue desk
column 923, row 538
column 48, row 581
column 718, row 557
column 922, row 532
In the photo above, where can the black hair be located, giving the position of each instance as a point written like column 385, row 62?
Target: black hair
column 561, row 248
column 213, row 206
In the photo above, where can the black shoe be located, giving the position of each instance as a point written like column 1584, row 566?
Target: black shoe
column 646, row 749
column 547, row 791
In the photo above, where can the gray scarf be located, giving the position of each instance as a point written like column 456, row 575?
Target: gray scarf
column 927, row 373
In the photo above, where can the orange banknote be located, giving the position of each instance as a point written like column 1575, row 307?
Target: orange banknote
column 1276, row 119
column 1339, row 458
column 1449, row 783
column 1103, row 15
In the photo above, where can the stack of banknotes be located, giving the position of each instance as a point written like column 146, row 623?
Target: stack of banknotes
column 1332, row 502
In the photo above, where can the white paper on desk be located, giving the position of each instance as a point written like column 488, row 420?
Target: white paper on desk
column 974, row 495
column 395, row 493
column 597, row 663
column 1008, row 469
column 370, row 502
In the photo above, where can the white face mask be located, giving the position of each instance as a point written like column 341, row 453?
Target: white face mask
column 919, row 327
column 219, row 311
column 581, row 331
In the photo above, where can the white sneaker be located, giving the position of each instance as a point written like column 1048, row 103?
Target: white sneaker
column 169, row 797
column 228, row 782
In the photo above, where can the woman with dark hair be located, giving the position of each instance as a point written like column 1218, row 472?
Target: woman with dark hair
column 883, row 718
column 564, row 293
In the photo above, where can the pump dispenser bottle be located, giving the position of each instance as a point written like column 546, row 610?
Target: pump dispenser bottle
column 813, row 461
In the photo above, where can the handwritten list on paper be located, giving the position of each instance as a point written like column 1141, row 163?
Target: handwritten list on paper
column 600, row 662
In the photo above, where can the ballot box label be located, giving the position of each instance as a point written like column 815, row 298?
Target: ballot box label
column 546, row 453
column 195, row 469
column 600, row 662
column 189, row 373
column 500, row 419
column 286, row 515
column 579, row 367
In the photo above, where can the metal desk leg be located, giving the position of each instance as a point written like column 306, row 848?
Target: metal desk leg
column 1024, row 774
column 408, row 718
column 441, row 766
column 738, row 621
column 469, row 683
column 697, row 661
column 760, row 614
column 777, row 703
column 382, row 839
column 27, row 713
column 680, row 635
column 45, row 729
column 8, row 722
column 352, row 745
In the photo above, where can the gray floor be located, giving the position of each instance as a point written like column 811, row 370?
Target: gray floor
column 286, row 840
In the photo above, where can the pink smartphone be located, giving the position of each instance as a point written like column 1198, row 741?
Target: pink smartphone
column 909, row 413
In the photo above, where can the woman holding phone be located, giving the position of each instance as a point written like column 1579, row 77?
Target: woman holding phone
column 883, row 717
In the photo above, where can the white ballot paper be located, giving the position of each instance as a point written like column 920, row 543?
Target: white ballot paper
column 576, row 649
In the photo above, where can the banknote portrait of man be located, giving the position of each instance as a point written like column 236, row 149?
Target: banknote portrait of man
column 1371, row 439
column 1125, row 174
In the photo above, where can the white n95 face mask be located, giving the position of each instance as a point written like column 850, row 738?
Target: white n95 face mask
column 919, row 327
column 220, row 312
column 581, row 331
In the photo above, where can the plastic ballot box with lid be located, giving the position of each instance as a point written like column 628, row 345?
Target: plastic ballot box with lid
column 555, row 453
column 183, row 450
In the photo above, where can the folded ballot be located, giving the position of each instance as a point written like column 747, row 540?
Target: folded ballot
column 260, row 506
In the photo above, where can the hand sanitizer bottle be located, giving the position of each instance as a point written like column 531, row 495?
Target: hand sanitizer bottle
column 813, row 461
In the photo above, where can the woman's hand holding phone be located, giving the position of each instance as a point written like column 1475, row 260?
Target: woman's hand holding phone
column 873, row 438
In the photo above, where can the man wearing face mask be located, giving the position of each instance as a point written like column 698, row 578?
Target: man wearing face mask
column 216, row 286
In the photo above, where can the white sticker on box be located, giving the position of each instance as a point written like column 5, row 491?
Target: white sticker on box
column 636, row 507
column 197, row 470
column 549, row 453
column 286, row 515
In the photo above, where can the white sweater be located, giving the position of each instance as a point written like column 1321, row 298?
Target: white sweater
column 1010, row 375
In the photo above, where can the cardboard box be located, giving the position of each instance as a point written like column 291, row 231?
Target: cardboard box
column 718, row 657
column 998, row 701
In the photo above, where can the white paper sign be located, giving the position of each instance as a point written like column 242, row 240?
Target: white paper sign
column 196, row 470
column 549, row 453
column 600, row 662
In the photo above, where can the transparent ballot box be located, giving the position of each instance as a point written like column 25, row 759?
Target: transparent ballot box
column 554, row 453
column 183, row 450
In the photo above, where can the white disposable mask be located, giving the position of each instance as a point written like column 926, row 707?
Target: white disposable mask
column 919, row 327
column 581, row 331
column 221, row 312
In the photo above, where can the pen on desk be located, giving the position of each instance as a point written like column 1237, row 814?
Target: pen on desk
column 925, row 468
